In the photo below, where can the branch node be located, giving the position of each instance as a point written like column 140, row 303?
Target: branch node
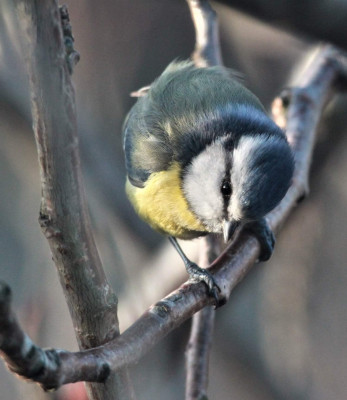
column 72, row 56
column 161, row 309
column 46, row 224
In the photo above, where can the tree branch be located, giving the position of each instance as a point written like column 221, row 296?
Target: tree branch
column 64, row 216
column 26, row 359
column 198, row 348
column 197, row 354
column 207, row 50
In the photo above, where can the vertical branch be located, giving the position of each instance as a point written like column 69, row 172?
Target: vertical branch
column 207, row 52
column 197, row 354
column 64, row 217
column 199, row 345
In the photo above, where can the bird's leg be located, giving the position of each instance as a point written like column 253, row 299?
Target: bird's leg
column 196, row 273
column 261, row 230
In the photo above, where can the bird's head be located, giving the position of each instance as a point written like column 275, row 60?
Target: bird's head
column 228, row 184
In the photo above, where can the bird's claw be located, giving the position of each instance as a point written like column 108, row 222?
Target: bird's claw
column 267, row 243
column 265, row 236
column 202, row 275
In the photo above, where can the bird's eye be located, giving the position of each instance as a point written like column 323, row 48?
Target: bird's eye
column 226, row 189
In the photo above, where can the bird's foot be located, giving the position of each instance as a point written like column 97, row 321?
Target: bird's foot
column 265, row 236
column 202, row 275
column 199, row 274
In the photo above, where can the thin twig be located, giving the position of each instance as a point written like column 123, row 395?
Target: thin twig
column 207, row 50
column 198, row 350
column 200, row 340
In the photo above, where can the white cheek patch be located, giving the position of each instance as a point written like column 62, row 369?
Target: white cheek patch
column 202, row 185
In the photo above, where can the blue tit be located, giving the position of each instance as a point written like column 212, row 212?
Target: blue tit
column 202, row 156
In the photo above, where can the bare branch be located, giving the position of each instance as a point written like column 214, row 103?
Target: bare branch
column 207, row 47
column 198, row 349
column 64, row 216
column 26, row 359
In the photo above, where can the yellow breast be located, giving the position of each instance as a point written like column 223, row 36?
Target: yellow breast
column 162, row 205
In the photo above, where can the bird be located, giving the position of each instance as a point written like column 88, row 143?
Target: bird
column 202, row 156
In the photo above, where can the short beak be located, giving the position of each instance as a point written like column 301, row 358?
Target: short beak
column 229, row 228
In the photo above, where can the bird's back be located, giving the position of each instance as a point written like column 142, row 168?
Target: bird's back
column 184, row 111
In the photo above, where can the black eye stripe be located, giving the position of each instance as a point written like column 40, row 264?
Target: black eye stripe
column 226, row 188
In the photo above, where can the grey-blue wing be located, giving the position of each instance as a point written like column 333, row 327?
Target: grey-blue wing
column 146, row 143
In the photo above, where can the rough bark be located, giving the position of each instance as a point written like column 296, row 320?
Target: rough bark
column 64, row 216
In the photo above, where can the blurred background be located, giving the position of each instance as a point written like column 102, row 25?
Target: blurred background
column 283, row 333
